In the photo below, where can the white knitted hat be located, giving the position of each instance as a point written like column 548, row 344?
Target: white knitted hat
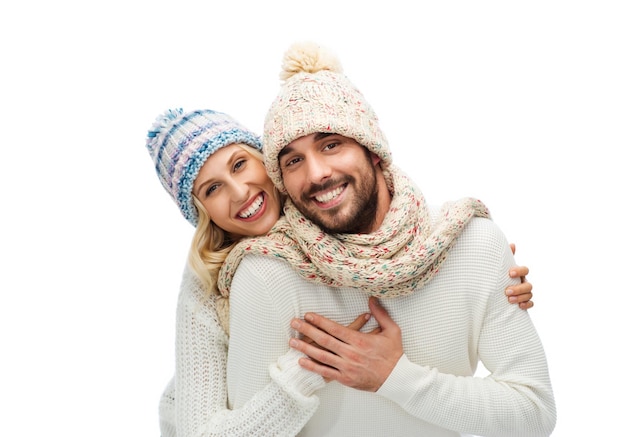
column 317, row 97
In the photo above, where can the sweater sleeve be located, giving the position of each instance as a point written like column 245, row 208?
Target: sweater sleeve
column 201, row 400
column 516, row 399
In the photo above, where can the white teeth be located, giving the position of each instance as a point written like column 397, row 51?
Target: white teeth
column 254, row 208
column 329, row 196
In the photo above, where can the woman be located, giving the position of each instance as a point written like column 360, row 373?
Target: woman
column 212, row 168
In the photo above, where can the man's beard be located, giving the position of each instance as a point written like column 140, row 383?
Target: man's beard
column 361, row 215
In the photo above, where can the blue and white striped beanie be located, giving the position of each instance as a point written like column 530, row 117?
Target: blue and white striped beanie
column 180, row 143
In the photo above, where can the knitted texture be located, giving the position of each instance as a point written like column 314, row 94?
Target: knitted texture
column 317, row 97
column 195, row 401
column 459, row 318
column 397, row 259
column 180, row 142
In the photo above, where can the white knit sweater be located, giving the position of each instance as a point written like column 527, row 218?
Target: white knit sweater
column 194, row 403
column 460, row 317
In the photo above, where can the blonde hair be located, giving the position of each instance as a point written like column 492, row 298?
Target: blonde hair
column 211, row 245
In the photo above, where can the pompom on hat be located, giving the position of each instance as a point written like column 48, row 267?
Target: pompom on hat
column 180, row 143
column 317, row 97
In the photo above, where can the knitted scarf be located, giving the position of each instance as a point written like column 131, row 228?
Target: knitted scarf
column 397, row 259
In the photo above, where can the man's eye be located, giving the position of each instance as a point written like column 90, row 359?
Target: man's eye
column 210, row 190
column 289, row 162
column 331, row 145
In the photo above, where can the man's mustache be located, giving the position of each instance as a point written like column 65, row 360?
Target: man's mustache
column 326, row 185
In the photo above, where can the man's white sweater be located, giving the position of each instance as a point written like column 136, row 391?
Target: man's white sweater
column 460, row 318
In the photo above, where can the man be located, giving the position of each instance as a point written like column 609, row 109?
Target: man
column 356, row 227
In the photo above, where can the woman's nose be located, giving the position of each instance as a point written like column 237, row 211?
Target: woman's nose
column 239, row 190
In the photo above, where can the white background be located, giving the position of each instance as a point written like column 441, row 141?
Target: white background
column 521, row 104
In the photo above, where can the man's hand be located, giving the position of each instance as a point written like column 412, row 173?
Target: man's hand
column 521, row 293
column 359, row 360
column 356, row 325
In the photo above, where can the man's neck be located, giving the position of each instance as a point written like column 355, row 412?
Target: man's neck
column 384, row 201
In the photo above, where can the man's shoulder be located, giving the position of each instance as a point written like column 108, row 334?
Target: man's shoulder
column 267, row 269
column 265, row 261
column 485, row 227
column 482, row 244
column 264, row 281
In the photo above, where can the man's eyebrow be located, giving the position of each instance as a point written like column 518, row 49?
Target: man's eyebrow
column 321, row 135
column 318, row 136
column 284, row 151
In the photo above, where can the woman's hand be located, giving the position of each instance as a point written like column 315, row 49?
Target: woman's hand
column 520, row 293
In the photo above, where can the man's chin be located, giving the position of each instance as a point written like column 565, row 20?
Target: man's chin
column 334, row 227
column 326, row 224
column 327, row 221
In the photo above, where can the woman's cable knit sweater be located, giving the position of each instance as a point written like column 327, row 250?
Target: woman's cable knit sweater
column 194, row 403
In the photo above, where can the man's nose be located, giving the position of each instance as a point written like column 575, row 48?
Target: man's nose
column 318, row 170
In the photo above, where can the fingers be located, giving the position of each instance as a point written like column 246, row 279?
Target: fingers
column 521, row 294
column 519, row 272
column 381, row 315
column 359, row 322
column 520, row 298
column 328, row 373
column 307, row 340
column 519, row 289
column 327, row 328
column 526, row 305
column 321, row 346
column 512, row 245
column 375, row 331
column 356, row 325
column 320, row 339
column 350, row 357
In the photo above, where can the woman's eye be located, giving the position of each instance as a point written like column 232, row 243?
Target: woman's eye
column 239, row 164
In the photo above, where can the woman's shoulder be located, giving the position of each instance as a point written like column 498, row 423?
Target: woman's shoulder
column 195, row 301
